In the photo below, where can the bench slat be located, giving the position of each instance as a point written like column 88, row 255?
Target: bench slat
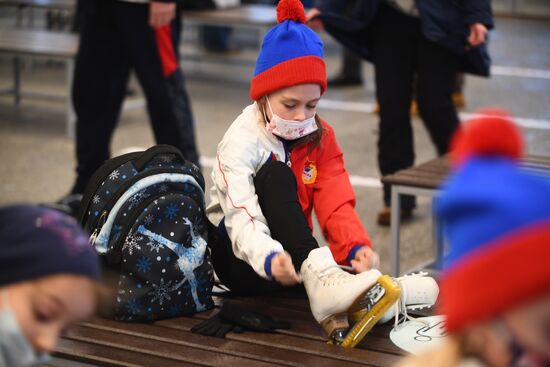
column 40, row 43
column 170, row 332
column 108, row 356
column 170, row 351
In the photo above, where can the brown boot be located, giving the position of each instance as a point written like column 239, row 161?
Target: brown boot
column 384, row 216
column 458, row 100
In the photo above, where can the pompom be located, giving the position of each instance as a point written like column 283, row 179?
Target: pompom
column 488, row 133
column 291, row 10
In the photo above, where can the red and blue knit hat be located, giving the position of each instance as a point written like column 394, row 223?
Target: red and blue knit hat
column 496, row 216
column 291, row 54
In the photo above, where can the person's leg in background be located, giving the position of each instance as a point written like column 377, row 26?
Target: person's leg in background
column 276, row 188
column 436, row 79
column 216, row 39
column 100, row 78
column 458, row 91
column 393, row 53
column 154, row 55
column 350, row 73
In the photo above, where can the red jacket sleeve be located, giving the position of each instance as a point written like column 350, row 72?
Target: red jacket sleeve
column 334, row 201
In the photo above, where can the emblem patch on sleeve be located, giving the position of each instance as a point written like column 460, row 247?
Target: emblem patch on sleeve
column 309, row 175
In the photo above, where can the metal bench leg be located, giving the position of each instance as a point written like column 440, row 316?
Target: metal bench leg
column 395, row 229
column 437, row 235
column 19, row 16
column 17, row 80
column 71, row 115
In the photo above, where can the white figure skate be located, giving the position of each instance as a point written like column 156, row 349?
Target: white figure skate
column 334, row 293
column 418, row 291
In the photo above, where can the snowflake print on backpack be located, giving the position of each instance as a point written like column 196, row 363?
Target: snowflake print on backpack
column 131, row 243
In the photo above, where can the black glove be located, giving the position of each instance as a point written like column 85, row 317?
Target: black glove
column 250, row 320
column 215, row 326
column 238, row 319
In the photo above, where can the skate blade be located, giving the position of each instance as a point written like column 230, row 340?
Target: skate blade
column 366, row 319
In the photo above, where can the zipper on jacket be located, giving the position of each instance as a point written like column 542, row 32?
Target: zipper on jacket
column 287, row 152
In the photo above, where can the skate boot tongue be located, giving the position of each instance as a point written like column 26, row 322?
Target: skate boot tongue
column 323, row 264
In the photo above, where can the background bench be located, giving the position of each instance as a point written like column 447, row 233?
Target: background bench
column 20, row 42
column 49, row 45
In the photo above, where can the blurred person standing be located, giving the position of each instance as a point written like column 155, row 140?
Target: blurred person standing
column 429, row 40
column 116, row 37
column 47, row 282
column 495, row 284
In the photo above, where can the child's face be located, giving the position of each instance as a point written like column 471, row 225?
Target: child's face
column 530, row 325
column 46, row 307
column 295, row 103
column 524, row 330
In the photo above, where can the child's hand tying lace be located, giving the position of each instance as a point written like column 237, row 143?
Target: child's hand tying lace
column 283, row 270
column 365, row 259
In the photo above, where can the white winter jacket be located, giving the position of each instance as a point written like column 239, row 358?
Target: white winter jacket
column 244, row 149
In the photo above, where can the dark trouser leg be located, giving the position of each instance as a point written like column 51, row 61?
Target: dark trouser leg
column 437, row 70
column 276, row 189
column 216, row 39
column 161, row 77
column 459, row 83
column 351, row 67
column 100, row 78
column 393, row 53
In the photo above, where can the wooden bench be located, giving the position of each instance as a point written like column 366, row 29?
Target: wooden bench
column 425, row 180
column 170, row 342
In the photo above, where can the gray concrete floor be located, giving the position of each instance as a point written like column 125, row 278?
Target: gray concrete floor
column 38, row 158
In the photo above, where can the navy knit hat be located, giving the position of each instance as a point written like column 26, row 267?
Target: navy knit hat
column 291, row 54
column 37, row 242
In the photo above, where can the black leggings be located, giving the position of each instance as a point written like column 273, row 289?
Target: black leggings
column 276, row 188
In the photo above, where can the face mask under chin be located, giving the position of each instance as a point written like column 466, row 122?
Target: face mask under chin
column 15, row 348
column 289, row 129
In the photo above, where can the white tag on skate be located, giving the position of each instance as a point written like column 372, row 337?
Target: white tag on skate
column 416, row 335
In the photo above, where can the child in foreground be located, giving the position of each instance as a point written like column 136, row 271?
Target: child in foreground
column 47, row 282
column 495, row 285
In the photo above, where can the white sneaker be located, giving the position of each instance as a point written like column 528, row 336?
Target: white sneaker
column 418, row 291
column 333, row 291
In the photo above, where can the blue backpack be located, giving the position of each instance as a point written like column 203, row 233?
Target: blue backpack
column 145, row 213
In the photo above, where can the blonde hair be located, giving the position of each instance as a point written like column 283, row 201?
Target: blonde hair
column 312, row 140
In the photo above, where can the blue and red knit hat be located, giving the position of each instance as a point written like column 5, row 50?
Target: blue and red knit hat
column 496, row 216
column 291, row 54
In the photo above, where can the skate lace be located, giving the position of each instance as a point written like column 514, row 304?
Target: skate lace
column 332, row 275
column 401, row 308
